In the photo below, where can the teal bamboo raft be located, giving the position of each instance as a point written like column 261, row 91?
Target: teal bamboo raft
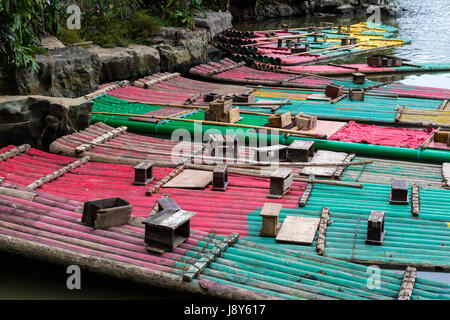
column 113, row 105
column 207, row 264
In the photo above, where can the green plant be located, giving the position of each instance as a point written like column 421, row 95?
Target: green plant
column 21, row 23
column 70, row 36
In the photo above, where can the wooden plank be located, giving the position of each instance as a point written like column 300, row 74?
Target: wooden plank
column 323, row 156
column 299, row 230
column 191, row 179
column 324, row 128
column 318, row 97
column 446, row 174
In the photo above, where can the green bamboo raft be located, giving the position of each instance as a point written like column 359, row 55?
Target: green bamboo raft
column 207, row 264
column 421, row 241
column 107, row 104
column 376, row 109
column 383, row 171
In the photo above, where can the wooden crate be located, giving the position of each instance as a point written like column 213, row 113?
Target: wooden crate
column 280, row 120
column 305, row 121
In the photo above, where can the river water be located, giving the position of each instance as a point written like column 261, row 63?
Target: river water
column 426, row 23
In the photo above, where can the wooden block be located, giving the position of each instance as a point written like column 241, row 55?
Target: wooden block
column 220, row 177
column 212, row 96
column 374, row 61
column 269, row 214
column 305, row 121
column 221, row 106
column 334, row 91
column 280, row 120
column 399, row 192
column 356, row 94
column 191, row 179
column 143, row 173
column 298, row 230
column 210, row 115
column 232, row 116
column 280, row 183
column 375, row 228
column 359, row 78
column 300, row 151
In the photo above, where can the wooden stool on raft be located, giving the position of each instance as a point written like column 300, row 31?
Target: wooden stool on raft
column 270, row 222
column 300, row 151
column 168, row 228
column 220, row 177
column 375, row 228
column 399, row 192
column 280, row 183
column 356, row 94
column 106, row 213
column 305, row 121
column 334, row 91
column 280, row 120
column 222, row 111
column 359, row 78
column 143, row 173
column 223, row 145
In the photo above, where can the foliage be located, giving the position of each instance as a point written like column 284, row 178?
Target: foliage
column 112, row 23
column 179, row 12
column 70, row 36
column 21, row 23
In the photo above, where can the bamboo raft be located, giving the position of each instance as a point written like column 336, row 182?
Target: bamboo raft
column 229, row 71
column 241, row 270
column 237, row 209
column 115, row 112
column 126, row 147
column 269, row 47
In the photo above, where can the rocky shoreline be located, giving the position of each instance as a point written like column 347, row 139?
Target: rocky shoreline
column 268, row 9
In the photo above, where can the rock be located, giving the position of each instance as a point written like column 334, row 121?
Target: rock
column 183, row 49
column 345, row 9
column 39, row 120
column 214, row 22
column 66, row 72
column 51, row 43
column 131, row 62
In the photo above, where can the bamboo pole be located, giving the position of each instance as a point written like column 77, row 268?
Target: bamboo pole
column 164, row 180
column 101, row 139
column 14, row 152
column 39, row 182
column 224, row 124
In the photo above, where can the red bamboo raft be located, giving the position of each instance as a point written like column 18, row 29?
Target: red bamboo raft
column 47, row 227
column 230, row 71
